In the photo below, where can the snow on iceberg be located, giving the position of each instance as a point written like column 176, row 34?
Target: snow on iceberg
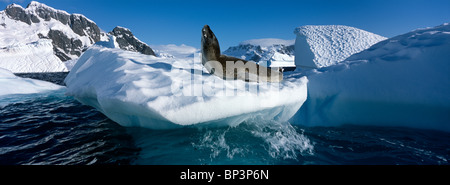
column 160, row 93
column 32, row 57
column 326, row 45
column 12, row 85
column 402, row 81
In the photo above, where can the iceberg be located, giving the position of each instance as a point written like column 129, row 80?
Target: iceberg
column 401, row 81
column 11, row 84
column 327, row 45
column 138, row 90
column 13, row 88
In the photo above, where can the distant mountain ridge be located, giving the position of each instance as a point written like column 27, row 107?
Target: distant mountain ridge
column 70, row 36
column 276, row 52
column 70, row 33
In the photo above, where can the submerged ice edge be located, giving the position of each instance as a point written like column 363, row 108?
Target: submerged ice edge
column 6, row 100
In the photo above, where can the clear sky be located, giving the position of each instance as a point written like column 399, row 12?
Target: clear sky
column 160, row 22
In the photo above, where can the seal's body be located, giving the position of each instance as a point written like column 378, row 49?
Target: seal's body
column 231, row 68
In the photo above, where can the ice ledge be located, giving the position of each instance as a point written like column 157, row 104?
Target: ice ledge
column 161, row 93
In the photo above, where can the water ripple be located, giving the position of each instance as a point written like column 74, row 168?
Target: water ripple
column 55, row 129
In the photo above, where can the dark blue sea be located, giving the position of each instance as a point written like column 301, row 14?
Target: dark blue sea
column 52, row 128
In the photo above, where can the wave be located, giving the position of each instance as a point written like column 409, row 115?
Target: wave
column 267, row 138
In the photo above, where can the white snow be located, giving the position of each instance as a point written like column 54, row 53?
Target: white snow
column 126, row 29
column 267, row 52
column 32, row 57
column 172, row 50
column 70, row 63
column 12, row 85
column 109, row 43
column 16, row 31
column 322, row 46
column 34, row 54
column 280, row 60
column 268, row 42
column 153, row 92
column 402, row 81
column 34, row 6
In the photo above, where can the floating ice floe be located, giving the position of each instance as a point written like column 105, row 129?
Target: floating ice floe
column 11, row 84
column 13, row 88
column 155, row 92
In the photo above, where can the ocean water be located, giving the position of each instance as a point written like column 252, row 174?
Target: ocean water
column 52, row 128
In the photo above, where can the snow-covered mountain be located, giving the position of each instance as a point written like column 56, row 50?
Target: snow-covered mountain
column 25, row 34
column 70, row 33
column 326, row 45
column 276, row 52
column 127, row 41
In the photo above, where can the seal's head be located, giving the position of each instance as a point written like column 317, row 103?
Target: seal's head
column 210, row 45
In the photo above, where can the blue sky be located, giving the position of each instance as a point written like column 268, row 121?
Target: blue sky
column 159, row 22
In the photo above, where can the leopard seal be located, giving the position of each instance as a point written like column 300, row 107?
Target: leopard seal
column 232, row 68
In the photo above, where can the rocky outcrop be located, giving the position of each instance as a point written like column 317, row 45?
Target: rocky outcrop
column 65, row 47
column 70, row 34
column 85, row 27
column 46, row 13
column 18, row 13
column 127, row 41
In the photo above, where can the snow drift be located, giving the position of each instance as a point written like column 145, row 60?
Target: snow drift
column 402, row 81
column 159, row 93
column 322, row 46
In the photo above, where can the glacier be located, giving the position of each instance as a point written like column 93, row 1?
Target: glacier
column 319, row 46
column 31, row 57
column 401, row 81
column 138, row 90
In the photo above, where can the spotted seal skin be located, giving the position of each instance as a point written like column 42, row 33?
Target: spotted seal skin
column 232, row 68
